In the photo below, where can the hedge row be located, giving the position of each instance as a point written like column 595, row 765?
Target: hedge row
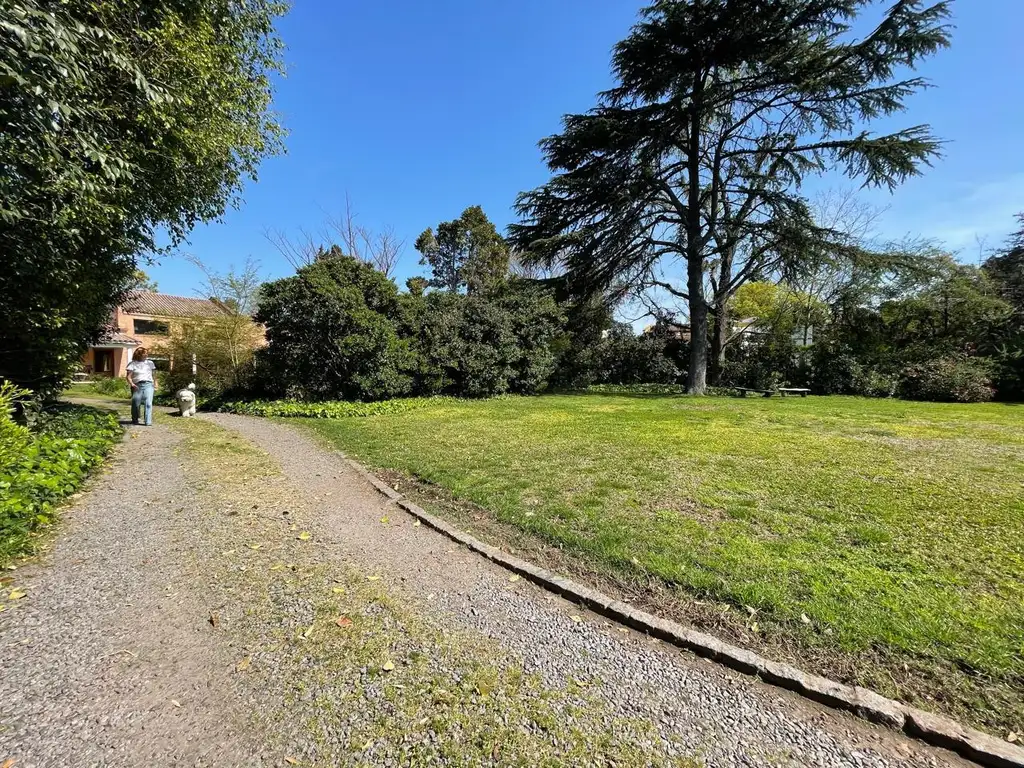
column 40, row 467
column 332, row 409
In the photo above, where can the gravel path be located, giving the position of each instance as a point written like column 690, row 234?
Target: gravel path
column 178, row 623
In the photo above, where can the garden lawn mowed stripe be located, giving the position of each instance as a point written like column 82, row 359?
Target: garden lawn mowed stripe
column 897, row 526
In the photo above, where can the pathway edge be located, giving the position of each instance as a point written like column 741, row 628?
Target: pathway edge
column 933, row 729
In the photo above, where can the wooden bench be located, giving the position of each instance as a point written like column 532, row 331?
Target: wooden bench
column 794, row 391
column 763, row 392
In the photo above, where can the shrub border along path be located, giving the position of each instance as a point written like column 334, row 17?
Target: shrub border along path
column 931, row 728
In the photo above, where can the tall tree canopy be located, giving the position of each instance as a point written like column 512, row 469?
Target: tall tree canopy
column 695, row 157
column 465, row 253
column 116, row 120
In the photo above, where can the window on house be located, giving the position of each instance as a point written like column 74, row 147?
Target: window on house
column 152, row 327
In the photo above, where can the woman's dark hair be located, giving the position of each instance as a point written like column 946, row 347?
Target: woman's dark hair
column 140, row 354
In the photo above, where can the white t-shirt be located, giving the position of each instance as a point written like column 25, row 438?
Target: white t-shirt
column 141, row 370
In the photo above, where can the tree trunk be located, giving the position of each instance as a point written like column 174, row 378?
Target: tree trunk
column 719, row 335
column 697, row 373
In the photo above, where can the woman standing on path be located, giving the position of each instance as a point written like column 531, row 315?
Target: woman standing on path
column 140, row 378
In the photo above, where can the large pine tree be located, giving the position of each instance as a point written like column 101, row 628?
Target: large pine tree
column 684, row 178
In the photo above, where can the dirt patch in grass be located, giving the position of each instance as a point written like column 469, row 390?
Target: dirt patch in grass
column 955, row 689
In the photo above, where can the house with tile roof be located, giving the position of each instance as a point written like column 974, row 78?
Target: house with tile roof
column 144, row 319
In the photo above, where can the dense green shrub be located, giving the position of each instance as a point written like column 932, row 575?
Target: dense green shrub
column 838, row 372
column 331, row 334
column 623, row 357
column 335, row 409
column 42, row 466
column 956, row 378
column 481, row 345
column 637, row 389
column 114, row 386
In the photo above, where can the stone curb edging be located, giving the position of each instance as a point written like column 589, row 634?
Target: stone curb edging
column 933, row 729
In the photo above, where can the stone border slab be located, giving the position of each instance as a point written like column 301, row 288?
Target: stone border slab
column 933, row 729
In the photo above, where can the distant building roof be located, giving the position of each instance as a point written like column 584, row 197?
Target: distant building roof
column 148, row 303
column 111, row 337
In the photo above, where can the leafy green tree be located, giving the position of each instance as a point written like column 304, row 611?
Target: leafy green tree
column 332, row 334
column 623, row 357
column 480, row 345
column 143, row 282
column 721, row 109
column 117, row 120
column 1006, row 272
column 465, row 253
column 417, row 286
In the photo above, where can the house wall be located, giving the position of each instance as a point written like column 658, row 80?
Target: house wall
column 121, row 357
column 126, row 323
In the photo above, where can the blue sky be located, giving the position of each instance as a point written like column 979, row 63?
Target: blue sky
column 418, row 110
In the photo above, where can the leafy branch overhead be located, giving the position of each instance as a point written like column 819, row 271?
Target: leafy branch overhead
column 696, row 156
column 117, row 120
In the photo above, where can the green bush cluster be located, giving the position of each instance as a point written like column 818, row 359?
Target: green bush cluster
column 334, row 409
column 637, row 389
column 340, row 330
column 953, row 379
column 41, row 466
column 114, row 386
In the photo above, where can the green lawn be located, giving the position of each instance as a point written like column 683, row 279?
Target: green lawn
column 897, row 528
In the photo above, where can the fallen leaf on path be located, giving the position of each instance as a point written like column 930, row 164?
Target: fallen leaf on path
column 214, row 620
column 385, row 519
column 804, row 618
column 754, row 627
column 514, row 578
column 175, row 702
column 388, row 666
column 416, row 524
column 623, row 629
column 291, row 761
column 308, row 632
column 8, row 763
column 1012, row 737
column 16, row 594
column 229, row 552
column 343, row 621
column 338, row 590
column 304, row 536
column 2, row 608
column 576, row 618
column 373, row 578
column 255, row 547
column 277, row 567
column 243, row 664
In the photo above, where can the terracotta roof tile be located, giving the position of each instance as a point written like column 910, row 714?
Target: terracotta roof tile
column 147, row 303
column 115, row 337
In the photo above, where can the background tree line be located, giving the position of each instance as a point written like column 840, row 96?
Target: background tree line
column 678, row 192
column 906, row 320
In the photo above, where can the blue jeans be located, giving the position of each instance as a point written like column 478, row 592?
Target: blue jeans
column 142, row 396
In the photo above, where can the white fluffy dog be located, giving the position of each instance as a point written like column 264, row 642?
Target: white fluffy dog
column 187, row 400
